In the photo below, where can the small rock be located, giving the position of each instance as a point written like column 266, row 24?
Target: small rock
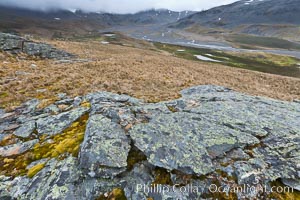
column 63, row 107
column 7, row 115
column 17, row 149
column 25, row 130
column 31, row 105
column 52, row 109
column 33, row 66
column 77, row 101
column 21, row 73
column 12, row 127
column 64, row 101
column 41, row 90
column 62, row 96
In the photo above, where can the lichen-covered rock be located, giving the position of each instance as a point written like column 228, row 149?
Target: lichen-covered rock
column 57, row 123
column 17, row 44
column 105, row 148
column 184, row 141
column 211, row 135
column 10, row 42
column 30, row 106
column 25, row 130
column 102, row 97
column 52, row 109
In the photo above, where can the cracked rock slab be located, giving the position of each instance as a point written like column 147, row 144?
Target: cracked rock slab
column 105, row 147
column 57, row 123
column 183, row 141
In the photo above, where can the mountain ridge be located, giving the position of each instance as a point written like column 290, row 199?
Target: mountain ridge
column 248, row 12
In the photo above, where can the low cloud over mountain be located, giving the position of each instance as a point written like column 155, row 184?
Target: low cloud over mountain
column 116, row 6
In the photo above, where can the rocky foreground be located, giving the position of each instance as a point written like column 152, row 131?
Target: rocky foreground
column 109, row 146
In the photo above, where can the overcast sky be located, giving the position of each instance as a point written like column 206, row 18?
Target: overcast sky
column 116, row 6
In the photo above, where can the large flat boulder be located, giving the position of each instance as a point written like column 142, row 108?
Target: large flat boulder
column 105, row 148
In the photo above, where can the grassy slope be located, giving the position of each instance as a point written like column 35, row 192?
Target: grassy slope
column 250, row 42
column 146, row 73
column 262, row 62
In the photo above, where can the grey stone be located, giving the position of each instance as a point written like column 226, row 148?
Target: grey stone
column 43, row 50
column 16, row 149
column 292, row 183
column 64, row 102
column 111, row 97
column 77, row 101
column 25, row 130
column 105, row 147
column 17, row 44
column 51, row 109
column 31, row 105
column 56, row 124
column 182, row 141
column 6, row 115
column 10, row 42
column 61, row 96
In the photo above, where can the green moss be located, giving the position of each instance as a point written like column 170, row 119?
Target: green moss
column 286, row 195
column 162, row 176
column 172, row 109
column 86, row 104
column 134, row 156
column 3, row 94
column 67, row 142
column 35, row 169
column 116, row 194
column 61, row 145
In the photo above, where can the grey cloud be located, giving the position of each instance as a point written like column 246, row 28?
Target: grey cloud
column 116, row 6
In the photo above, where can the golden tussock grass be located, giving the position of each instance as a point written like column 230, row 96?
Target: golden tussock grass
column 147, row 74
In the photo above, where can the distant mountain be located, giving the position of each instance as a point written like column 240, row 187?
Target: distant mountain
column 247, row 12
column 78, row 22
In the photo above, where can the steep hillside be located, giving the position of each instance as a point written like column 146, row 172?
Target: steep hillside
column 259, row 17
column 247, row 12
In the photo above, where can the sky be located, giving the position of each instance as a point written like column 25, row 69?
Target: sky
column 116, row 6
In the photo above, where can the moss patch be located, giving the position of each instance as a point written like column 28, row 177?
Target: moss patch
column 134, row 156
column 67, row 142
column 162, row 176
column 86, row 104
column 287, row 194
column 116, row 194
column 57, row 146
column 35, row 169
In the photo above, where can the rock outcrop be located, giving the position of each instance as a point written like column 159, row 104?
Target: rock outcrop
column 16, row 44
column 109, row 146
